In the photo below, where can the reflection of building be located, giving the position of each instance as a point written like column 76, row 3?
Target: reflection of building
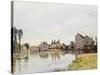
column 82, row 42
column 43, row 54
column 43, row 46
column 24, row 52
column 55, row 55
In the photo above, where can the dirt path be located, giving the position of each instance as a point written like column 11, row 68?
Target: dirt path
column 87, row 54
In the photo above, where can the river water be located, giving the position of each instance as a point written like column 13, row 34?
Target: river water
column 45, row 61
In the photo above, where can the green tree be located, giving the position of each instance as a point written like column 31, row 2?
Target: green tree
column 72, row 44
column 26, row 45
column 14, row 46
column 14, row 38
column 20, row 33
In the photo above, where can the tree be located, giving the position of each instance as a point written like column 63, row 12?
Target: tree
column 26, row 45
column 95, row 46
column 72, row 44
column 14, row 45
column 14, row 38
column 14, row 34
column 20, row 33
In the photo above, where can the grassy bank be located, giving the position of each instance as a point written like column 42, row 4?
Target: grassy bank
column 84, row 62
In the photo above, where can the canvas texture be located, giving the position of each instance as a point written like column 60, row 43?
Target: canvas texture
column 52, row 37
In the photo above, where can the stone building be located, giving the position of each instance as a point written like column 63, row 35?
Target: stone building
column 89, row 42
column 83, row 42
column 43, row 46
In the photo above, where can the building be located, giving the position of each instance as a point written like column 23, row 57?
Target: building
column 43, row 46
column 55, row 45
column 79, row 41
column 89, row 42
column 83, row 42
column 34, row 48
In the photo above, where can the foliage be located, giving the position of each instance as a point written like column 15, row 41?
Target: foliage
column 26, row 45
column 20, row 33
column 84, row 63
column 15, row 33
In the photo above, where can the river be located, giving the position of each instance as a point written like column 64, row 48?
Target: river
column 44, row 61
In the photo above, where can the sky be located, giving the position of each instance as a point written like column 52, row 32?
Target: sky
column 50, row 21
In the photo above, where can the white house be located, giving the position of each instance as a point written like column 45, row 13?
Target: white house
column 43, row 46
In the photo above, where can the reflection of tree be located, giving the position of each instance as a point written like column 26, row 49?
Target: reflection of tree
column 14, row 64
column 76, row 53
column 19, row 65
column 26, row 61
column 55, row 55
column 43, row 54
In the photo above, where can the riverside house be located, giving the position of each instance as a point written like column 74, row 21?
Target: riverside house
column 34, row 48
column 43, row 46
column 84, row 42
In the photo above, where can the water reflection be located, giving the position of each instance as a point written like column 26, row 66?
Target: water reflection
column 43, row 54
column 55, row 55
column 44, row 61
column 19, row 64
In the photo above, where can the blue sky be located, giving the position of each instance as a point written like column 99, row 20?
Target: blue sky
column 49, row 21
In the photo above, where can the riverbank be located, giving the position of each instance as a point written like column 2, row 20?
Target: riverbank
column 84, row 62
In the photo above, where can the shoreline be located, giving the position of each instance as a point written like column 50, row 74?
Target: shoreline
column 84, row 62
